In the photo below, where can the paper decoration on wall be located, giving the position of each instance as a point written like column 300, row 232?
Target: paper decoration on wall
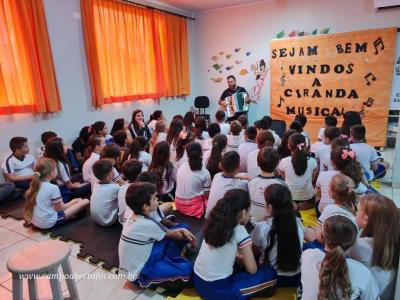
column 215, row 58
column 280, row 34
column 324, row 30
column 228, row 56
column 243, row 72
column 261, row 71
column 238, row 62
column 217, row 80
column 293, row 33
column 248, row 53
column 217, row 66
column 237, row 49
column 254, row 68
column 229, row 68
column 221, row 53
column 220, row 71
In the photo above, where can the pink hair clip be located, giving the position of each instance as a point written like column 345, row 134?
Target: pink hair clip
column 347, row 153
column 343, row 137
column 183, row 135
column 300, row 146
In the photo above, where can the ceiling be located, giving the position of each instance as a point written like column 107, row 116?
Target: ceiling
column 199, row 5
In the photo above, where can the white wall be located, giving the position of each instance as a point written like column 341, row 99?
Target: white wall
column 252, row 26
column 69, row 58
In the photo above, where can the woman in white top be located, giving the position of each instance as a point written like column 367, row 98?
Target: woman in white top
column 279, row 239
column 227, row 240
column 299, row 171
column 193, row 183
column 44, row 206
column 378, row 246
column 329, row 274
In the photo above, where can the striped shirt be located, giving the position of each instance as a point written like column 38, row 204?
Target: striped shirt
column 19, row 167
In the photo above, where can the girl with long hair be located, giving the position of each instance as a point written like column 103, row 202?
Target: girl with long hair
column 188, row 121
column 185, row 137
column 174, row 130
column 44, row 206
column 156, row 116
column 100, row 128
column 137, row 151
column 138, row 127
column 212, row 157
column 159, row 135
column 226, row 240
column 121, row 124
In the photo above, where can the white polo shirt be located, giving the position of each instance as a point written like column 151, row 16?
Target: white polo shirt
column 64, row 174
column 233, row 142
column 363, row 284
column 323, row 154
column 190, row 184
column 366, row 155
column 104, row 203
column 336, row 210
column 122, row 201
column 217, row 263
column 18, row 167
column 44, row 214
column 220, row 185
column 253, row 169
column 257, row 186
column 244, row 150
column 87, row 168
column 138, row 236
column 323, row 182
column 225, row 128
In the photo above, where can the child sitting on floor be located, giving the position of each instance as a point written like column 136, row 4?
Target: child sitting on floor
column 329, row 274
column 92, row 154
column 267, row 160
column 137, row 150
column 248, row 146
column 374, row 166
column 104, row 199
column 323, row 150
column 18, row 167
column 264, row 139
column 235, row 139
column 149, row 253
column 220, row 118
column 330, row 121
column 213, row 130
column 100, row 128
column 378, row 246
column 158, row 135
column 193, row 183
column 44, row 207
column 130, row 169
column 226, row 180
column 180, row 156
column 212, row 157
column 280, row 238
column 226, row 240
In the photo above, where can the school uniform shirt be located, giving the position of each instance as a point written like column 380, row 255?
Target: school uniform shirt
column 145, row 159
column 63, row 173
column 277, row 139
column 139, row 233
column 181, row 161
column 220, row 185
column 336, row 210
column 259, row 237
column 152, row 125
column 168, row 184
column 87, row 171
column 244, row 150
column 78, row 146
column 172, row 149
column 323, row 182
column 161, row 137
column 190, row 184
column 363, row 284
column 44, row 214
column 253, row 169
column 323, row 154
column 104, row 203
column 366, row 155
column 207, row 155
column 19, row 167
column 122, row 201
column 157, row 215
column 217, row 263
column 300, row 186
column 225, row 128
column 257, row 186
column 233, row 143
column 207, row 144
column 41, row 151
column 362, row 252
column 321, row 133
column 144, row 132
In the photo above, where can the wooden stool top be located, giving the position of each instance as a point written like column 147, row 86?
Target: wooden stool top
column 39, row 257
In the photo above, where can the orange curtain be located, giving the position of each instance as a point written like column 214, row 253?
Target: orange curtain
column 27, row 78
column 134, row 52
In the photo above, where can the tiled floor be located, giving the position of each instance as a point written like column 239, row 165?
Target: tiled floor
column 14, row 236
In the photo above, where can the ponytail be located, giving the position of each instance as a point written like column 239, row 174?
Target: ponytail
column 339, row 233
column 343, row 192
column 94, row 140
column 334, row 283
column 185, row 137
column 138, row 144
column 195, row 156
column 344, row 160
column 299, row 150
column 219, row 143
column 43, row 169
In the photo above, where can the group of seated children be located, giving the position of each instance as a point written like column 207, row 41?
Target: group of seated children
column 248, row 186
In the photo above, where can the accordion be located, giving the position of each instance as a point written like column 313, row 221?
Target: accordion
column 236, row 104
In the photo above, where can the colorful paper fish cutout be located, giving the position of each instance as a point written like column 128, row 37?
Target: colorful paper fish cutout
column 243, row 72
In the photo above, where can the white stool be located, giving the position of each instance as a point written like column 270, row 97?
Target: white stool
column 40, row 259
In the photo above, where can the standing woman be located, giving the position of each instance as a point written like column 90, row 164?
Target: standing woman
column 138, row 127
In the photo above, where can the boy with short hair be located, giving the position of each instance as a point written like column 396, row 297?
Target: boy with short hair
column 374, row 167
column 104, row 199
column 330, row 121
column 44, row 138
column 248, row 146
column 130, row 169
column 235, row 138
column 303, row 120
column 18, row 167
column 265, row 124
column 220, row 117
column 267, row 160
column 264, row 139
column 149, row 253
column 225, row 180
column 323, row 150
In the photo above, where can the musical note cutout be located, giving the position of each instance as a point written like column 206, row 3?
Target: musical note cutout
column 369, row 102
column 281, row 100
column 378, row 42
column 373, row 78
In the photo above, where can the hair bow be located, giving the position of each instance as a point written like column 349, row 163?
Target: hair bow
column 183, row 135
column 300, row 146
column 343, row 137
column 347, row 153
